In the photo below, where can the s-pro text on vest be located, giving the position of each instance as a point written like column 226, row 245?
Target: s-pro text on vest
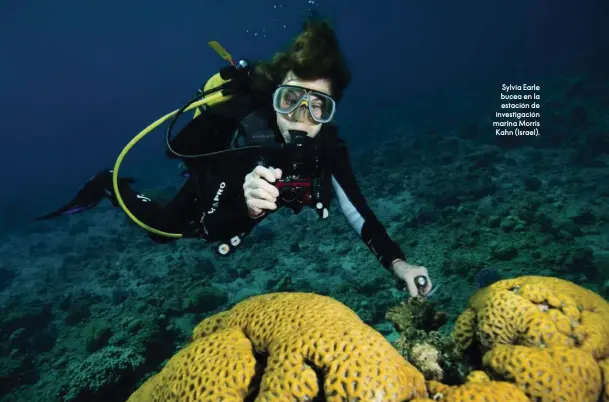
column 214, row 205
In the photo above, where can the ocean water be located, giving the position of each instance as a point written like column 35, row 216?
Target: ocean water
column 478, row 134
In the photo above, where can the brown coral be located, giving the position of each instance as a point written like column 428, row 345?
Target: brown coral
column 310, row 341
column 416, row 313
column 544, row 334
column 426, row 358
column 418, row 321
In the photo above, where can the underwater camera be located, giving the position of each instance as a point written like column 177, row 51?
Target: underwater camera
column 300, row 166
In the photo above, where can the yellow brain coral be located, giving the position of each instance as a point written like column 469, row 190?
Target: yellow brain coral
column 537, row 311
column 473, row 391
column 567, row 374
column 478, row 388
column 546, row 335
column 221, row 365
column 604, row 365
column 308, row 341
column 478, row 377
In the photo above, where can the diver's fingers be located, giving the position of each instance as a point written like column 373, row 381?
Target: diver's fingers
column 259, row 194
column 264, row 173
column 252, row 176
column 264, row 185
column 253, row 181
column 277, row 172
column 260, row 204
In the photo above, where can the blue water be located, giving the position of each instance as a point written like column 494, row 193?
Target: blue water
column 79, row 79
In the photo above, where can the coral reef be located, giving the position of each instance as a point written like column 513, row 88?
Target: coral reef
column 219, row 366
column 427, row 359
column 421, row 341
column 285, row 346
column 604, row 365
column 477, row 388
column 97, row 377
column 300, row 346
column 546, row 335
column 464, row 201
column 416, row 314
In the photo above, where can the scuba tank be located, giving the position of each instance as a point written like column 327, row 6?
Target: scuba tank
column 220, row 88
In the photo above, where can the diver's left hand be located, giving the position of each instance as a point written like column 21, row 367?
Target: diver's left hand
column 407, row 273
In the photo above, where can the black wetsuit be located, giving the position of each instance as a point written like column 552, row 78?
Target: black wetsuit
column 211, row 204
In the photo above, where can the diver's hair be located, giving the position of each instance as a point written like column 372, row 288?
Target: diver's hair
column 314, row 54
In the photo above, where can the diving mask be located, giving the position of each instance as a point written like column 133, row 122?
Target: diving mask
column 287, row 98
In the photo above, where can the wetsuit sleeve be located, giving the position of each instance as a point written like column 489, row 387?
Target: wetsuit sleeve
column 358, row 213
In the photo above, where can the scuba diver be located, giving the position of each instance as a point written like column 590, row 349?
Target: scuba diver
column 267, row 140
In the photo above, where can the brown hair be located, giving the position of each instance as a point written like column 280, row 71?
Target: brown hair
column 314, row 54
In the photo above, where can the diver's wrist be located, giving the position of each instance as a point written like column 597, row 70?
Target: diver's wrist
column 255, row 216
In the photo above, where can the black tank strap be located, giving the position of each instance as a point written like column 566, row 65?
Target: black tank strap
column 328, row 145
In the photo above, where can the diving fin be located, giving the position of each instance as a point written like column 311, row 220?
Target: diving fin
column 96, row 189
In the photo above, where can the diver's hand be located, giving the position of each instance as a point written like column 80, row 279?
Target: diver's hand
column 408, row 273
column 260, row 194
